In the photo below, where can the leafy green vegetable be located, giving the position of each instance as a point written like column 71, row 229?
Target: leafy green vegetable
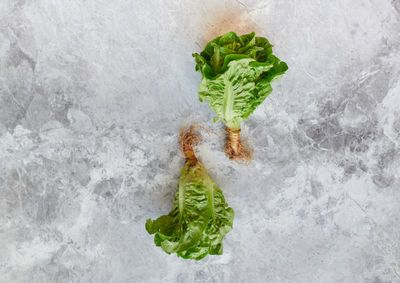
column 237, row 74
column 199, row 219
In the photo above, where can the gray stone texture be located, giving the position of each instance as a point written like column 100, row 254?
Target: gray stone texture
column 93, row 94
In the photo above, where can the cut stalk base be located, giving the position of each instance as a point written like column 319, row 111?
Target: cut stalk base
column 235, row 148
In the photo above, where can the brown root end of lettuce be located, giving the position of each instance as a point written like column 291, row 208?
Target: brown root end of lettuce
column 235, row 148
column 188, row 140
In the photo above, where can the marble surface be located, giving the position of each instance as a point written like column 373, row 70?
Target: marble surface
column 92, row 96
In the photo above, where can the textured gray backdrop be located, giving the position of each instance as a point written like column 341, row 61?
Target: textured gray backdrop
column 92, row 96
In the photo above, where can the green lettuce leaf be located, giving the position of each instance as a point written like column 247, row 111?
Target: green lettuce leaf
column 199, row 219
column 237, row 74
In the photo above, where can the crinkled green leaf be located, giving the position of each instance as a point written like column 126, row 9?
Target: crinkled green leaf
column 236, row 93
column 237, row 74
column 199, row 219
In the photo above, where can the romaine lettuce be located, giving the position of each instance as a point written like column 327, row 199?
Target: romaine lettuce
column 237, row 72
column 200, row 217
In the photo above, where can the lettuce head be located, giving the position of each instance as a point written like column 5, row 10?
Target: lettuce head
column 237, row 72
column 199, row 219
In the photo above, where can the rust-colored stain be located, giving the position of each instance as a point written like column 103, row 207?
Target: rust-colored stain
column 237, row 21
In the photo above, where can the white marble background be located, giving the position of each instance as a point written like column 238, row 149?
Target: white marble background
column 92, row 96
